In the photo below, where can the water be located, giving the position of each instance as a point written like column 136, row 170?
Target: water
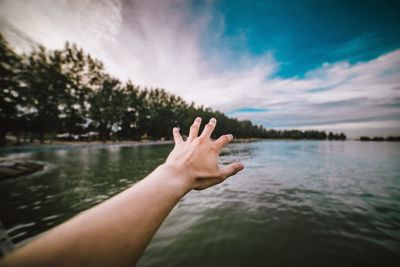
column 297, row 203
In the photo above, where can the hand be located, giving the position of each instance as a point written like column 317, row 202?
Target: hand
column 195, row 160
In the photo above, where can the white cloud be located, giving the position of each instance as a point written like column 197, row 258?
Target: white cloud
column 161, row 44
column 367, row 91
column 91, row 24
column 154, row 43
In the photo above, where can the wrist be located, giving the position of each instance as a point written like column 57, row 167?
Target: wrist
column 174, row 178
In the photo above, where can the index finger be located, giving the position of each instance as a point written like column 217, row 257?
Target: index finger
column 194, row 129
column 209, row 128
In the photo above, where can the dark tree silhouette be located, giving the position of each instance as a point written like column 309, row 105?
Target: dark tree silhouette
column 107, row 107
column 11, row 97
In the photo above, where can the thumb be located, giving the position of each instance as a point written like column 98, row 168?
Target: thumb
column 231, row 169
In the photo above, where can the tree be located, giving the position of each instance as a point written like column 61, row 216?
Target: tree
column 11, row 90
column 45, row 84
column 73, row 105
column 129, row 122
column 107, row 106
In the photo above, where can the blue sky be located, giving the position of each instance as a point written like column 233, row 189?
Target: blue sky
column 308, row 64
column 303, row 34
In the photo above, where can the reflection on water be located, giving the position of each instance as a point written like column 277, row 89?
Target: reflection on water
column 304, row 203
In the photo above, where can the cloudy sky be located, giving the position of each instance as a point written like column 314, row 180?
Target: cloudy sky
column 306, row 64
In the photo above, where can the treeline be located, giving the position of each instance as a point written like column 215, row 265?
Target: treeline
column 297, row 134
column 49, row 92
column 380, row 138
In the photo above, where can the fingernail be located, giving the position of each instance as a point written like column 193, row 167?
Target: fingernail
column 213, row 120
column 230, row 137
column 198, row 119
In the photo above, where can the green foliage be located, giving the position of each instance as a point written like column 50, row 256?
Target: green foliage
column 45, row 85
column 67, row 91
column 334, row 136
column 107, row 106
column 393, row 138
column 380, row 138
column 11, row 96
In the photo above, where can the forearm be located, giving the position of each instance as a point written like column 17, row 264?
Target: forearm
column 114, row 233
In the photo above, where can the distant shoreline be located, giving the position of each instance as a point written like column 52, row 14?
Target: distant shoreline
column 93, row 144
column 77, row 144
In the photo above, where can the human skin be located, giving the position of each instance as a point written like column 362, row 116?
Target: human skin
column 117, row 231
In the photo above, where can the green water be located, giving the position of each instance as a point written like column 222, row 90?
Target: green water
column 297, row 203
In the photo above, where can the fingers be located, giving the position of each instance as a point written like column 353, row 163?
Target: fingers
column 209, row 128
column 231, row 169
column 194, row 129
column 177, row 136
column 223, row 140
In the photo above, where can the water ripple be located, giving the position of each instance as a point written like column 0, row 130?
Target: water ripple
column 295, row 203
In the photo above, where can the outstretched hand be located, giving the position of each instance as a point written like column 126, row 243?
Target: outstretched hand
column 196, row 159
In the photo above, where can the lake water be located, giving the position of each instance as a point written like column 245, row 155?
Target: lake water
column 297, row 203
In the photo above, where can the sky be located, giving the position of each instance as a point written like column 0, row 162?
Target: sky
column 305, row 64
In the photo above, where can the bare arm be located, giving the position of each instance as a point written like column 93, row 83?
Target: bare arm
column 116, row 232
